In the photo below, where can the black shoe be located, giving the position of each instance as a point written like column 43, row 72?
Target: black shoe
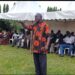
column 72, row 55
column 61, row 55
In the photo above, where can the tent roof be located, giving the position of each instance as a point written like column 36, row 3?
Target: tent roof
column 27, row 10
column 26, row 7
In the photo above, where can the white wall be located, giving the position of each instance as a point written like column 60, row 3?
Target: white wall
column 63, row 26
column 59, row 25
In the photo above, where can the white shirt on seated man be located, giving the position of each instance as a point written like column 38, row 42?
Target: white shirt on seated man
column 69, row 40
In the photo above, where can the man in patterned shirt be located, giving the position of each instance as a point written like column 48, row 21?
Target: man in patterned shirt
column 40, row 41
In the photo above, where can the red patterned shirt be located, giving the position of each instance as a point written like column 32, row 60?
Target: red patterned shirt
column 39, row 37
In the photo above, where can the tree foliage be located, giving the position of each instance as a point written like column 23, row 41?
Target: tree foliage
column 0, row 8
column 9, row 25
column 49, row 9
column 5, row 25
column 5, row 8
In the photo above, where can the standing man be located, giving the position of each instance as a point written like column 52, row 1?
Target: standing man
column 40, row 41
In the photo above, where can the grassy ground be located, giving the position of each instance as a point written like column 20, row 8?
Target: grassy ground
column 19, row 61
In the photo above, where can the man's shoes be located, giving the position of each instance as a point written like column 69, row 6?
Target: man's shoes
column 61, row 55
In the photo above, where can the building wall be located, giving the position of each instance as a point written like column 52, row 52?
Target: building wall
column 59, row 25
column 62, row 25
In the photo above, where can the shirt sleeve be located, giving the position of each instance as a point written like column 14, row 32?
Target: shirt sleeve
column 30, row 27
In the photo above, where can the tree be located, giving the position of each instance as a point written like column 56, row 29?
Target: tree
column 55, row 9
column 14, row 3
column 5, row 25
column 60, row 9
column 15, row 26
column 49, row 9
column 7, row 8
column 0, row 8
column 4, row 7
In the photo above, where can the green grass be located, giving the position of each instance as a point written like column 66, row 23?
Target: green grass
column 20, row 61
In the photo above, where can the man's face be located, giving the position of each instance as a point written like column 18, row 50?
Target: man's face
column 38, row 17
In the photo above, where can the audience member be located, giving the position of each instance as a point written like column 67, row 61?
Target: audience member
column 68, row 43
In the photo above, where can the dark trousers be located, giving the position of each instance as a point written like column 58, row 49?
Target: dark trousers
column 63, row 46
column 28, row 47
column 14, row 42
column 49, row 47
column 40, row 61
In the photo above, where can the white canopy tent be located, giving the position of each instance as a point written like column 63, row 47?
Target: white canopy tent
column 27, row 10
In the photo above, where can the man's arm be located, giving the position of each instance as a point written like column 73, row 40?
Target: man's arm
column 48, row 40
column 25, row 26
column 47, row 32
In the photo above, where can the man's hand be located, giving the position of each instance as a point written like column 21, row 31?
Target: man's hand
column 47, row 44
column 46, row 47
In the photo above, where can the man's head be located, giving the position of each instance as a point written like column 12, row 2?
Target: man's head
column 52, row 31
column 67, row 33
column 72, row 33
column 38, row 17
column 59, row 31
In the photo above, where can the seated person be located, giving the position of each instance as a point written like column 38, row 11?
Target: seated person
column 22, row 41
column 21, row 34
column 14, row 39
column 68, row 43
column 52, row 41
column 73, row 37
column 59, row 40
column 28, row 39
